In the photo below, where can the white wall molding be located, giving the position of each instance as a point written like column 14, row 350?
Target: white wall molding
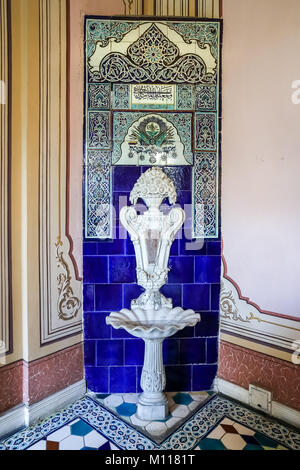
column 12, row 420
column 5, row 316
column 61, row 304
column 241, row 317
column 24, row 415
column 278, row 410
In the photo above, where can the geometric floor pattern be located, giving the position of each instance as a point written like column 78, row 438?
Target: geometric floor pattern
column 230, row 435
column 181, row 406
column 213, row 422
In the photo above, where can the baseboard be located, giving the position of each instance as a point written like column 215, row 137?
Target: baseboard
column 278, row 410
column 23, row 415
column 12, row 420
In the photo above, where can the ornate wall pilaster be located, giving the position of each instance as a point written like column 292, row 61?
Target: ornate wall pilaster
column 61, row 312
column 5, row 300
column 194, row 8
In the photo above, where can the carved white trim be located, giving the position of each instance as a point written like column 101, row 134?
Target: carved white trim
column 61, row 312
column 240, row 317
column 4, row 182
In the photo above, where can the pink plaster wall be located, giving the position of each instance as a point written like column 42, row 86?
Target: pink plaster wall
column 23, row 382
column 261, row 151
column 243, row 367
column 260, row 142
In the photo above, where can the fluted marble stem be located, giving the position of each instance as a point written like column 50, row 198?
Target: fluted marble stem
column 153, row 403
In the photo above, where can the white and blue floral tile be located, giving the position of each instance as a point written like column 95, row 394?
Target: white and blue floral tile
column 142, row 111
column 152, row 98
column 216, row 423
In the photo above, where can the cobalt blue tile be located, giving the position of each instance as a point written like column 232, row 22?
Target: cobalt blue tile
column 89, row 248
column 215, row 296
column 192, row 247
column 173, row 291
column 192, row 351
column 125, row 177
column 88, row 297
column 110, row 247
column 181, row 176
column 134, row 352
column 95, row 269
column 131, row 291
column 95, row 326
column 110, row 352
column 187, row 332
column 213, row 248
column 196, row 296
column 122, row 269
column 203, row 377
column 178, row 378
column 171, row 351
column 129, row 247
column 123, row 379
column 184, row 199
column 182, row 270
column 174, row 248
column 89, row 352
column 108, row 297
column 120, row 199
column 211, row 350
column 209, row 324
column 138, row 379
column 207, row 269
column 119, row 333
column 97, row 379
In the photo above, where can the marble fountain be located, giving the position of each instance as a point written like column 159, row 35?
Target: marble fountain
column 152, row 316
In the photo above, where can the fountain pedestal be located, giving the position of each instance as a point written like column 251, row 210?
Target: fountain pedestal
column 153, row 403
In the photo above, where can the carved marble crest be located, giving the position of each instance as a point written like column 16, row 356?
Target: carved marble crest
column 152, row 234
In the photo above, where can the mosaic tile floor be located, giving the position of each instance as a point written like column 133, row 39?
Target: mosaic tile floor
column 198, row 421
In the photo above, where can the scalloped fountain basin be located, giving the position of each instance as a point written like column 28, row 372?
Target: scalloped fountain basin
column 153, row 324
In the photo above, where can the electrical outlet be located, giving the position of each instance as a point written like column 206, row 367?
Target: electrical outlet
column 260, row 398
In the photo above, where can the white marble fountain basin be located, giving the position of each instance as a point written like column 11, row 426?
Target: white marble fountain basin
column 153, row 324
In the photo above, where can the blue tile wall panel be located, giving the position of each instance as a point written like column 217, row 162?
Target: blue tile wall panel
column 123, row 379
column 113, row 358
column 95, row 326
column 95, row 269
column 134, row 352
column 122, row 269
column 203, row 376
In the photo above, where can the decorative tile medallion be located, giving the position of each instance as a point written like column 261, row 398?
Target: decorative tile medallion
column 206, row 131
column 206, row 97
column 99, row 129
column 151, row 99
column 99, row 96
column 121, row 96
column 185, row 97
column 218, row 424
column 205, row 194
column 152, row 139
column 98, row 188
